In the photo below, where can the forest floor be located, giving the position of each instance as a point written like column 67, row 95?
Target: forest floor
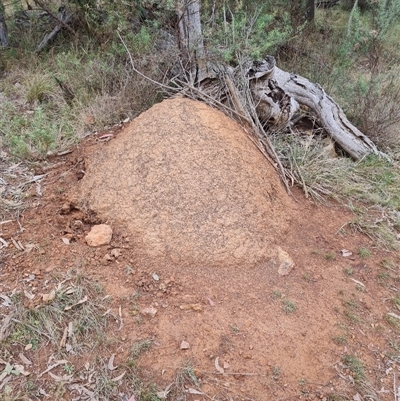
column 329, row 330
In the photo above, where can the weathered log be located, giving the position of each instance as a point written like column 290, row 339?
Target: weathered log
column 63, row 17
column 277, row 94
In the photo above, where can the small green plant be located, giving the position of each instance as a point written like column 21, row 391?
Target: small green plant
column 392, row 321
column 330, row 256
column 276, row 294
column 364, row 253
column 235, row 329
column 395, row 345
column 302, row 382
column 348, row 271
column 396, row 303
column 355, row 366
column 289, row 306
column 350, row 311
column 69, row 369
column 39, row 87
column 139, row 347
column 340, row 340
column 383, row 278
column 276, row 373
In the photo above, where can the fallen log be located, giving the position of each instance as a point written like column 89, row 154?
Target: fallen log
column 63, row 18
column 278, row 94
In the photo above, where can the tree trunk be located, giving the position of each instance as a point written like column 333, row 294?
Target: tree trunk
column 3, row 28
column 310, row 10
column 191, row 40
column 278, row 95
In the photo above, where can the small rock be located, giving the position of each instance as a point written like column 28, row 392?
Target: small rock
column 150, row 311
column 65, row 208
column 226, row 365
column 116, row 253
column 107, row 258
column 184, row 345
column 286, row 263
column 100, row 234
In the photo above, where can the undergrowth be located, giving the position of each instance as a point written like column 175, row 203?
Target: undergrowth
column 368, row 187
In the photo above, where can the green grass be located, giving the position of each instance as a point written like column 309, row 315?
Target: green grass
column 348, row 271
column 355, row 366
column 371, row 183
column 289, row 306
column 364, row 253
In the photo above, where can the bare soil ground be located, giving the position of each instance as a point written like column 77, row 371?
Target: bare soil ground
column 321, row 332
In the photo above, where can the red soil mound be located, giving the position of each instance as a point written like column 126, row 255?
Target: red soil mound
column 190, row 186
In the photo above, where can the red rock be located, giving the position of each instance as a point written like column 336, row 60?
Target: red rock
column 99, row 235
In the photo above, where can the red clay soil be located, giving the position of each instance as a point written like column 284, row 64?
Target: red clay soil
column 180, row 202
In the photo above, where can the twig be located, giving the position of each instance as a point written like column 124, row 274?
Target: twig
column 140, row 73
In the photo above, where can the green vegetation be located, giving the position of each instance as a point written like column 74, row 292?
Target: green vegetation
column 348, row 271
column 289, row 306
column 364, row 252
column 355, row 366
column 330, row 256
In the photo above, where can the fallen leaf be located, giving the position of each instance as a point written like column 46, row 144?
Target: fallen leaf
column 28, row 347
column 24, row 359
column 110, row 364
column 357, row 282
column 21, row 369
column 59, row 362
column 118, row 378
column 29, row 295
column 83, row 300
column 64, row 338
column 155, row 277
column 4, row 326
column 7, row 300
column 65, row 378
column 216, row 363
column 164, row 394
column 194, row 391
